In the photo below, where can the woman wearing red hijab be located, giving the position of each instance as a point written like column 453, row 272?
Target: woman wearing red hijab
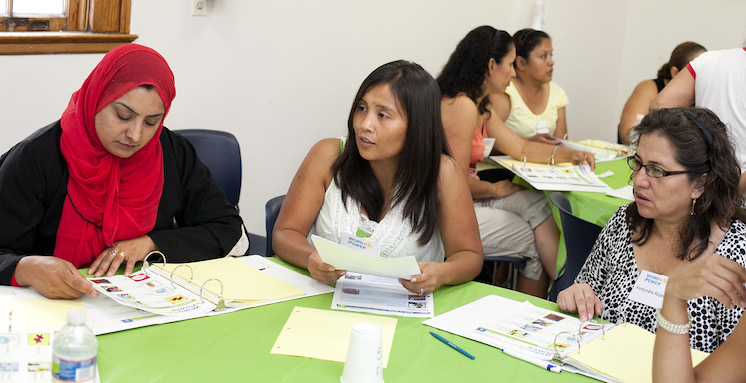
column 103, row 186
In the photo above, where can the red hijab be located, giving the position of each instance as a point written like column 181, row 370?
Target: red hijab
column 110, row 198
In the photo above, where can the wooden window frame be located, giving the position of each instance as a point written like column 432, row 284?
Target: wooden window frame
column 91, row 26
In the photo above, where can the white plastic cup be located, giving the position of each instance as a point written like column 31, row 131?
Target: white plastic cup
column 364, row 355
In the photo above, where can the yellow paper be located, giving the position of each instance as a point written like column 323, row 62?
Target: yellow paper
column 241, row 282
column 625, row 353
column 325, row 334
column 34, row 313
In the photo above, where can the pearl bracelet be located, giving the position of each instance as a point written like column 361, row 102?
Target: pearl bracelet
column 673, row 328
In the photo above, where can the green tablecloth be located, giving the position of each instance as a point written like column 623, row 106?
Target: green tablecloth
column 598, row 207
column 236, row 346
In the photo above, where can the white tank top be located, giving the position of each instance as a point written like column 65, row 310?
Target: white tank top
column 393, row 234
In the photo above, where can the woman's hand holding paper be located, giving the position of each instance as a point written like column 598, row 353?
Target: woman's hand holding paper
column 323, row 272
column 580, row 298
column 52, row 277
column 428, row 281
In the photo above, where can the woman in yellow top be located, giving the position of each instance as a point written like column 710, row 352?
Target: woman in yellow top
column 533, row 106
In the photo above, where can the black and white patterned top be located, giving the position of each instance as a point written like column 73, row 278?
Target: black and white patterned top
column 612, row 272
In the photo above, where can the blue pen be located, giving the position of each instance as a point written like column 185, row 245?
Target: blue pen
column 448, row 342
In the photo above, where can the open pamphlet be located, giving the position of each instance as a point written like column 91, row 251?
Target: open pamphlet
column 105, row 315
column 601, row 150
column 607, row 352
column 198, row 287
column 380, row 295
column 349, row 259
column 559, row 177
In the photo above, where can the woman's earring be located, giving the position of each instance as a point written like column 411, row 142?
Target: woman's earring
column 691, row 212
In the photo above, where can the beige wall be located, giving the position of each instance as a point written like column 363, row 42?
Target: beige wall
column 280, row 74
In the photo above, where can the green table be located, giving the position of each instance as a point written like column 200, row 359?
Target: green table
column 236, row 347
column 598, row 207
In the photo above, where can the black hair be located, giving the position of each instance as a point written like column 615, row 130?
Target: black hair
column 526, row 40
column 713, row 158
column 681, row 55
column 418, row 96
column 466, row 68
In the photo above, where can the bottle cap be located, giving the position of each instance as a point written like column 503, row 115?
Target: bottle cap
column 76, row 317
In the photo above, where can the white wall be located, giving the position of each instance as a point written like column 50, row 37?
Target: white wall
column 281, row 74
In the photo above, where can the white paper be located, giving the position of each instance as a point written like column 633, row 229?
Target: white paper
column 378, row 295
column 344, row 258
column 492, row 319
column 625, row 192
column 26, row 355
column 104, row 315
column 557, row 178
column 151, row 293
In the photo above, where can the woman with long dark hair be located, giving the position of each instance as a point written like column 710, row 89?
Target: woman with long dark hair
column 391, row 182
column 513, row 222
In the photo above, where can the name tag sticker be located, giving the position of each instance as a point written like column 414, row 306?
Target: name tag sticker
column 364, row 245
column 542, row 127
column 649, row 289
column 489, row 142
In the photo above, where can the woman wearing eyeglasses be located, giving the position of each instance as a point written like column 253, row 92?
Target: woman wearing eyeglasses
column 687, row 207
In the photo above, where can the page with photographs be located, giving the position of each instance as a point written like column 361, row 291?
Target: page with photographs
column 560, row 177
column 379, row 295
column 533, row 330
column 152, row 293
column 520, row 327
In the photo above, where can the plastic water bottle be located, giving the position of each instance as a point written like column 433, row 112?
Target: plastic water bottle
column 74, row 351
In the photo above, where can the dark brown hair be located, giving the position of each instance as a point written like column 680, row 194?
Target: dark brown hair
column 712, row 158
column 681, row 55
column 467, row 66
column 418, row 96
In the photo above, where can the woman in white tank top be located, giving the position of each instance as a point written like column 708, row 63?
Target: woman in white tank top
column 392, row 183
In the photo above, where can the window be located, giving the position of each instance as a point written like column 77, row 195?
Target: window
column 63, row 26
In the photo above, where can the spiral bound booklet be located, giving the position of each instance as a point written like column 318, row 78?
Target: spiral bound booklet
column 607, row 352
column 194, row 288
column 559, row 177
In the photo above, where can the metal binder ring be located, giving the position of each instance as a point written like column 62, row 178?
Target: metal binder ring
column 145, row 264
column 557, row 358
column 221, row 301
column 171, row 278
column 603, row 326
column 592, row 320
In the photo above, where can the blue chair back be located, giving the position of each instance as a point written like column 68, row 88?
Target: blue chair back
column 220, row 152
column 271, row 211
column 580, row 235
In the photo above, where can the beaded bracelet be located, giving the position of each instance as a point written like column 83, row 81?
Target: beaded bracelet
column 673, row 328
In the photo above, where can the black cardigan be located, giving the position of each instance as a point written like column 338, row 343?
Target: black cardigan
column 33, row 187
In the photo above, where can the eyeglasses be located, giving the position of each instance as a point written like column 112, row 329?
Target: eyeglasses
column 651, row 170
